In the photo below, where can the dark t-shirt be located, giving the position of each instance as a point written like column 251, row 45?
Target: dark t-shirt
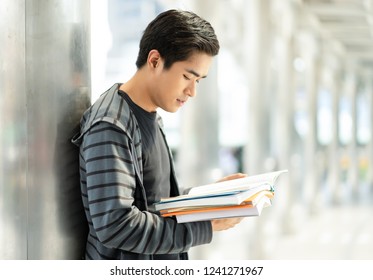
column 156, row 161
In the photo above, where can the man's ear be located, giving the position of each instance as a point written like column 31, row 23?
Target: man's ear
column 154, row 59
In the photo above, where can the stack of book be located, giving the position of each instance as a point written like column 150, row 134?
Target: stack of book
column 241, row 197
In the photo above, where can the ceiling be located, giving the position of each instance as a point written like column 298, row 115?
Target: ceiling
column 349, row 22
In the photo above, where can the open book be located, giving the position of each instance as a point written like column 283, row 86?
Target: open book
column 234, row 198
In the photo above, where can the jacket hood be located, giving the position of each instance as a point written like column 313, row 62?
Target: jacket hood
column 111, row 108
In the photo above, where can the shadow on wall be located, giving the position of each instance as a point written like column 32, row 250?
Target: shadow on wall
column 73, row 223
column 72, row 220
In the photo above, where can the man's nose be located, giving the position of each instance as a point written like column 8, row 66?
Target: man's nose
column 191, row 91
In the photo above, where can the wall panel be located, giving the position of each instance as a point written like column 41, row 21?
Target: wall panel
column 13, row 132
column 45, row 87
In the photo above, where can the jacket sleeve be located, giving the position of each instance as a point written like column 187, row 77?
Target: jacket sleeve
column 110, row 187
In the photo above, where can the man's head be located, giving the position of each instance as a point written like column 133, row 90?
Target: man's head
column 177, row 35
column 176, row 52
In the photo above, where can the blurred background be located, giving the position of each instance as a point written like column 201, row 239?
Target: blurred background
column 290, row 89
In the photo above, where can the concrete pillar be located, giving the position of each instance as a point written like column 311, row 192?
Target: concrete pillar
column 334, row 147
column 311, row 183
column 369, row 84
column 256, row 40
column 256, row 43
column 283, row 110
column 352, row 148
column 45, row 87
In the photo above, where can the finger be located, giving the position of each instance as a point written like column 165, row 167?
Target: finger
column 233, row 176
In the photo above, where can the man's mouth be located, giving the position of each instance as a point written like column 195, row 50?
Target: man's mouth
column 181, row 102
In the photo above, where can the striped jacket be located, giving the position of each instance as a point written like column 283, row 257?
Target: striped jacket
column 111, row 174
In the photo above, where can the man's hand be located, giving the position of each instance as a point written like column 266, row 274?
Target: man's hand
column 223, row 224
column 232, row 176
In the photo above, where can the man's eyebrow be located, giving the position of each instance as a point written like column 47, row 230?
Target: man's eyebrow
column 191, row 71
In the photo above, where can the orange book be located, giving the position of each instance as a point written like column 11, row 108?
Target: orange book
column 223, row 212
column 248, row 203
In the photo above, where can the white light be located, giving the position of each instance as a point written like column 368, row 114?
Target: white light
column 299, row 65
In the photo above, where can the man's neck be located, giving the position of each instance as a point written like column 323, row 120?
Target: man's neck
column 137, row 90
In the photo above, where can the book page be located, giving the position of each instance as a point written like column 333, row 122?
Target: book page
column 238, row 184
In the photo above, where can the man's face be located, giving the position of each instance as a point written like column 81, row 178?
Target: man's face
column 174, row 86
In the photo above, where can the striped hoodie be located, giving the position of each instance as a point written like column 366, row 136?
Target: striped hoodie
column 111, row 180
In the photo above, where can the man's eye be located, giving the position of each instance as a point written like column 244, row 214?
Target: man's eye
column 186, row 77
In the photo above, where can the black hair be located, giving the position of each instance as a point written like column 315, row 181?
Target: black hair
column 176, row 35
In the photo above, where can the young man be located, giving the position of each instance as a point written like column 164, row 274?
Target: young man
column 125, row 163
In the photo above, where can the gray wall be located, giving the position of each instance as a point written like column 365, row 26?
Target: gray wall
column 44, row 88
